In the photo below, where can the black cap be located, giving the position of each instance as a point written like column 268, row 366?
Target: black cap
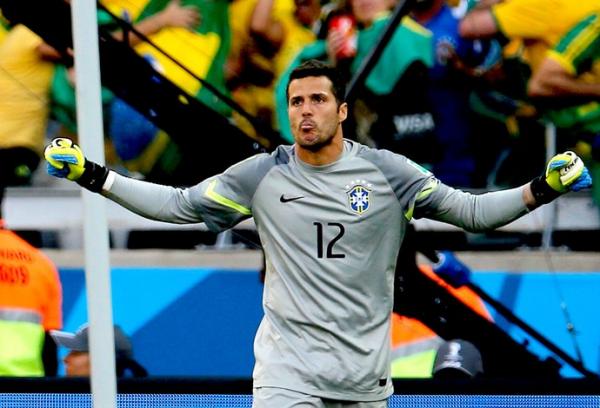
column 457, row 358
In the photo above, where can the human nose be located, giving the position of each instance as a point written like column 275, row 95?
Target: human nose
column 306, row 109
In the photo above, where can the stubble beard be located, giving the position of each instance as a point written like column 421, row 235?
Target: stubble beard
column 319, row 142
column 317, row 145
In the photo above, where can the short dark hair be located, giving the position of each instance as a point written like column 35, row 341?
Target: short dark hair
column 316, row 68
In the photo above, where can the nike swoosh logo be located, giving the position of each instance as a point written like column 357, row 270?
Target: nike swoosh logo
column 285, row 199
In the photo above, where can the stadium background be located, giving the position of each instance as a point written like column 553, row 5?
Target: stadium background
column 200, row 321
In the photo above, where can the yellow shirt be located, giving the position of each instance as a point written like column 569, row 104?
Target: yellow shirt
column 539, row 24
column 194, row 50
column 296, row 37
column 578, row 51
column 240, row 14
column 25, row 82
column 256, row 99
column 3, row 32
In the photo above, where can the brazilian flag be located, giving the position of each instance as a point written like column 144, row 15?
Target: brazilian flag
column 203, row 51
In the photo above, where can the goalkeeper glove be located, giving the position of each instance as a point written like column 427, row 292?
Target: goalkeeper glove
column 66, row 160
column 564, row 172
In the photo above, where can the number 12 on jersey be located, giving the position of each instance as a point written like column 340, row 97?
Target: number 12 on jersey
column 339, row 229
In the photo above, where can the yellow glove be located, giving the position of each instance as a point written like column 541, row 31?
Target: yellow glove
column 564, row 172
column 65, row 159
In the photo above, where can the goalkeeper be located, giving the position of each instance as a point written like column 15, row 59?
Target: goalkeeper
column 331, row 215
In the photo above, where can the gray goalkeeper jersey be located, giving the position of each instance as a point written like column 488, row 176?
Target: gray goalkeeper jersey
column 331, row 235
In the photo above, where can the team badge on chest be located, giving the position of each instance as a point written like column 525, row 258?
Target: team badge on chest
column 359, row 196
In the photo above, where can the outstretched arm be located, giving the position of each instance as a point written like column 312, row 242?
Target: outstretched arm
column 221, row 201
column 565, row 172
column 162, row 203
column 153, row 201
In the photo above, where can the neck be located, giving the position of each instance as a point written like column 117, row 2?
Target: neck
column 325, row 154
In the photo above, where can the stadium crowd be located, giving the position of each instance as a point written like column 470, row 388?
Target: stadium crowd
column 465, row 88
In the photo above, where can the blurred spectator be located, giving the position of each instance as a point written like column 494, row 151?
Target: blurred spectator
column 78, row 362
column 457, row 65
column 570, row 68
column 137, row 143
column 30, row 306
column 570, row 73
column 269, row 35
column 457, row 359
column 26, row 68
column 527, row 27
column 392, row 111
column 202, row 48
column 63, row 93
column 384, row 115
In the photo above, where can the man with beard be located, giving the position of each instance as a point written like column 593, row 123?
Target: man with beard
column 331, row 215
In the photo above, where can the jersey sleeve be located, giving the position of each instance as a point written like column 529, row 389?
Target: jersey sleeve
column 468, row 211
column 220, row 201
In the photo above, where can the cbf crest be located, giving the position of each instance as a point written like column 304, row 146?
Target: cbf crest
column 359, row 196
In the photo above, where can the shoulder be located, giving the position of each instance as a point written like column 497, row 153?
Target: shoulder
column 378, row 156
column 391, row 164
column 253, row 169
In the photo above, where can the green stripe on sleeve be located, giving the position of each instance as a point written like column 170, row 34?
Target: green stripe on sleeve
column 213, row 195
column 425, row 192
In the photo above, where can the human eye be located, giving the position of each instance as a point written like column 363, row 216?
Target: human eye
column 319, row 98
column 296, row 101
